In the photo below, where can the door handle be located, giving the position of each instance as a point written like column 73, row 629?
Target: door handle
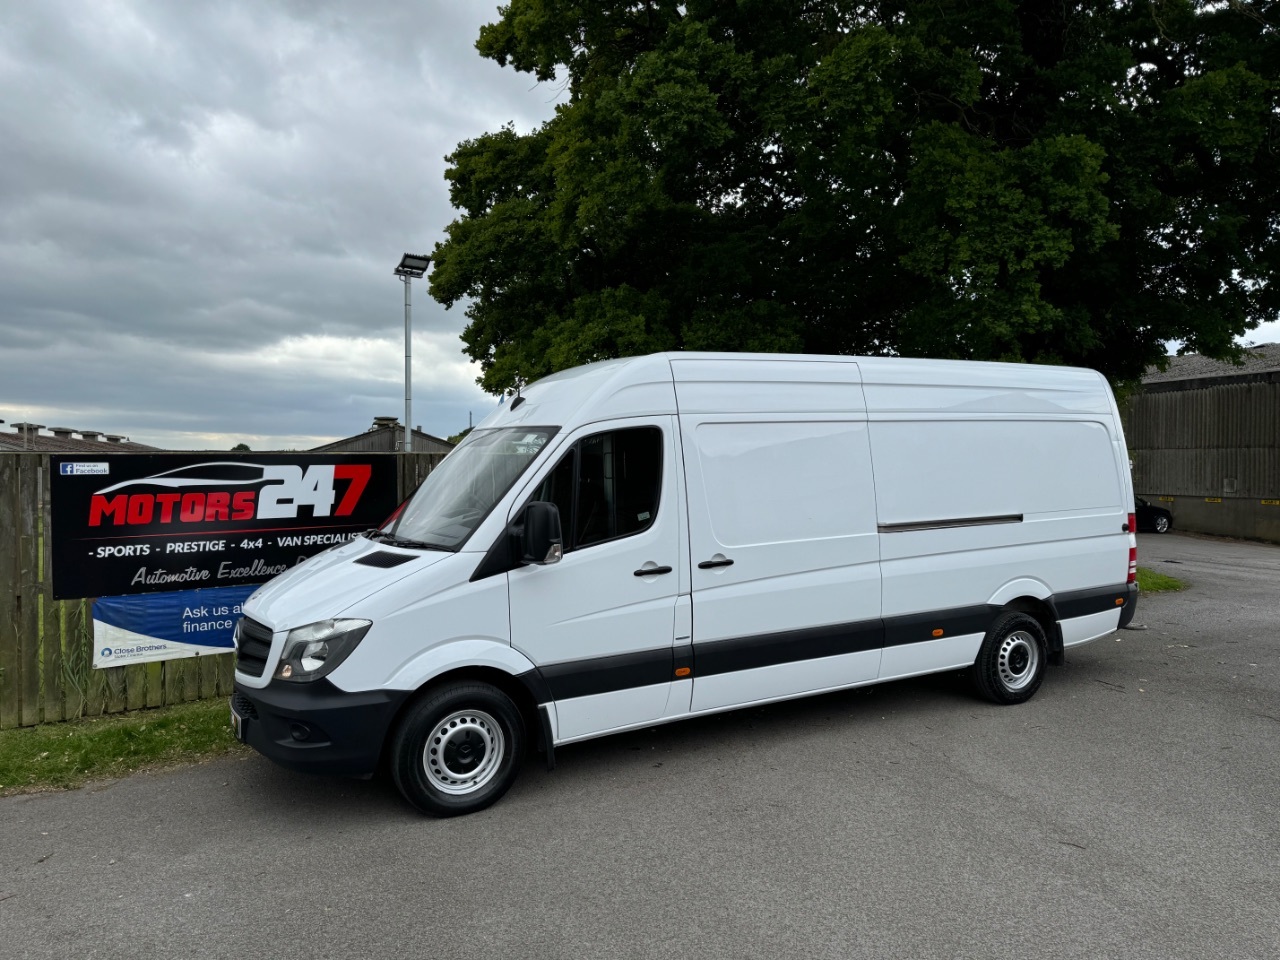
column 719, row 562
column 651, row 571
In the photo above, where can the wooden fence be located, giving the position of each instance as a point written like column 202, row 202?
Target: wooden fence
column 46, row 646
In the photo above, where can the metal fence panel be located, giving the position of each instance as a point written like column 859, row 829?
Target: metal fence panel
column 1202, row 448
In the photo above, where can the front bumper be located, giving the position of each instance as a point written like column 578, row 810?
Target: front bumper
column 315, row 727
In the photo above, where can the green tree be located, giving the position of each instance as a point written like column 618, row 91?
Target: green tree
column 1050, row 182
column 241, row 447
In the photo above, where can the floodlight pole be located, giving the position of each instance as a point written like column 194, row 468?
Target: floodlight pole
column 408, row 365
column 411, row 265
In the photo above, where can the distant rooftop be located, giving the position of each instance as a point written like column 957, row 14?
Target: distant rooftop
column 385, row 436
column 1260, row 362
column 37, row 438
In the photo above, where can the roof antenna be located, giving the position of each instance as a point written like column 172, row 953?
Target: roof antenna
column 518, row 399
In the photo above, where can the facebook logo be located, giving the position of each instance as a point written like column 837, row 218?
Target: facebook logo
column 82, row 469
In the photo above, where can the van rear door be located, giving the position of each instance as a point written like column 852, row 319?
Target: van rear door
column 782, row 528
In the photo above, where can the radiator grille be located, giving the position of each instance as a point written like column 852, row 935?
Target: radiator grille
column 253, row 648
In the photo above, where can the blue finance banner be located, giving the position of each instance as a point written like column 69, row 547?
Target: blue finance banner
column 166, row 626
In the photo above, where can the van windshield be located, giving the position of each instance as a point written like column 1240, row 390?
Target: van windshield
column 458, row 494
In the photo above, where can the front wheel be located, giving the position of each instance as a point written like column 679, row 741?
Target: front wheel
column 457, row 750
column 1010, row 665
column 1162, row 524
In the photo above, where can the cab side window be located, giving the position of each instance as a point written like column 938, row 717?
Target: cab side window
column 607, row 486
column 557, row 488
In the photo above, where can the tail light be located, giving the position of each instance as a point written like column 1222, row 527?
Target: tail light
column 1133, row 549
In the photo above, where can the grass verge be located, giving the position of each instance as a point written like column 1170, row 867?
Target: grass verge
column 1151, row 582
column 69, row 755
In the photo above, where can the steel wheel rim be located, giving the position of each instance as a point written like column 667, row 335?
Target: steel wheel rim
column 464, row 752
column 1018, row 660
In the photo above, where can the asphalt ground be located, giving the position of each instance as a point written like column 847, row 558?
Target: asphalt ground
column 1129, row 810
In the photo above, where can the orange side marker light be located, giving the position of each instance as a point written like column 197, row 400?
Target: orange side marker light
column 683, row 671
column 937, row 633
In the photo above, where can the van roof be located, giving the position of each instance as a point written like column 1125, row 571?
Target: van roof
column 645, row 386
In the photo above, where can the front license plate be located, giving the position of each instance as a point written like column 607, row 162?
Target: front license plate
column 238, row 724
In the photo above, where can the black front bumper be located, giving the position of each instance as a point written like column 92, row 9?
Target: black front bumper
column 315, row 727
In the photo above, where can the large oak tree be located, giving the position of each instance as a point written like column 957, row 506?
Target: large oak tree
column 1051, row 182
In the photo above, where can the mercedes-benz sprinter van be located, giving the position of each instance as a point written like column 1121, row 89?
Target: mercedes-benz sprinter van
column 643, row 540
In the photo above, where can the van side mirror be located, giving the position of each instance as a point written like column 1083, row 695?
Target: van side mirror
column 541, row 541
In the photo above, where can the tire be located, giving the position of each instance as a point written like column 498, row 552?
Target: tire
column 1011, row 662
column 457, row 749
column 1162, row 525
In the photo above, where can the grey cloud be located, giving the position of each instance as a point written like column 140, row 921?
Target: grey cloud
column 189, row 179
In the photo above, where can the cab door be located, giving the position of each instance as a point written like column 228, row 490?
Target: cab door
column 599, row 624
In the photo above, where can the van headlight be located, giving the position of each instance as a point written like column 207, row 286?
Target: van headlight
column 312, row 651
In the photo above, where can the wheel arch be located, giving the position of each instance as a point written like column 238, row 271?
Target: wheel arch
column 1033, row 597
column 519, row 688
column 1043, row 612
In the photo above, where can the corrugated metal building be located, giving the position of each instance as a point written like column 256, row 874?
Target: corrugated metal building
column 1204, row 437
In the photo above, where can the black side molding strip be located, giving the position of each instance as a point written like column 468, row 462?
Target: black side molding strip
column 1081, row 603
column 788, row 646
column 582, row 678
column 920, row 627
column 948, row 524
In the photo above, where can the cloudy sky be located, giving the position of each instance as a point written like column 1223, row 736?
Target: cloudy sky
column 201, row 206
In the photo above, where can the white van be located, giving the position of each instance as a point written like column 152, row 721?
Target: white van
column 643, row 540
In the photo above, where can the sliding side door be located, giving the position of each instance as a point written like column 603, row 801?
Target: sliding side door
column 782, row 528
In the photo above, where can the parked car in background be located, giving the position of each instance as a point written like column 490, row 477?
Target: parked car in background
column 1152, row 519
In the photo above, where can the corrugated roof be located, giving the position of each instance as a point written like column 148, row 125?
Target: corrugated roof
column 385, row 438
column 1262, row 358
column 43, row 442
column 37, row 438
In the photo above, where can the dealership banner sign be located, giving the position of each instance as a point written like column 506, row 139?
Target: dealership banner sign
column 126, row 524
column 165, row 626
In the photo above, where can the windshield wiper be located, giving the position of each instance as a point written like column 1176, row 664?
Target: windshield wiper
column 396, row 541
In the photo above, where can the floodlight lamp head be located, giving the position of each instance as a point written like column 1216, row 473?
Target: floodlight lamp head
column 413, row 265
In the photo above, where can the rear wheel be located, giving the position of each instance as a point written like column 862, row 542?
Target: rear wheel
column 457, row 749
column 1010, row 665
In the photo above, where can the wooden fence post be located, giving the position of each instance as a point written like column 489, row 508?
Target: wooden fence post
column 51, row 673
column 10, row 678
column 29, row 476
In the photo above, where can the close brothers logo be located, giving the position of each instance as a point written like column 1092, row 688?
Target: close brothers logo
column 230, row 491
